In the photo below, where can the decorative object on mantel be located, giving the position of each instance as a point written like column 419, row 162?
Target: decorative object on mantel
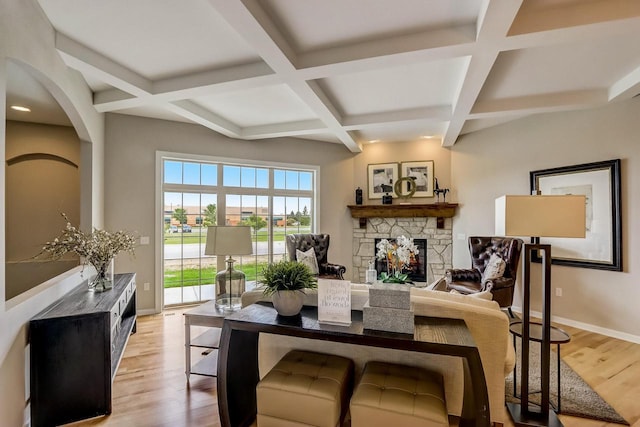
column 358, row 196
column 411, row 189
column 438, row 191
column 421, row 172
column 398, row 257
column 98, row 248
column 381, row 178
column 372, row 274
column 285, row 281
column 387, row 199
column 438, row 210
column 389, row 309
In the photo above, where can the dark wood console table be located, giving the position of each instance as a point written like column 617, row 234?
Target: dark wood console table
column 76, row 345
column 238, row 357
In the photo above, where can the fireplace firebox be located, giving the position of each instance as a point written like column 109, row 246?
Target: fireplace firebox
column 417, row 270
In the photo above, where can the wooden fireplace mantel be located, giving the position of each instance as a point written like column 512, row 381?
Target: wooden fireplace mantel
column 438, row 210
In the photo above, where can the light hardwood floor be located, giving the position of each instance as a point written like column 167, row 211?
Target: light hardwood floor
column 150, row 388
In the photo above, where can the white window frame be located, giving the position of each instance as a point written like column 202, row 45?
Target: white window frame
column 221, row 192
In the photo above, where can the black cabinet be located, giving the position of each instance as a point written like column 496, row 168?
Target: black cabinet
column 76, row 346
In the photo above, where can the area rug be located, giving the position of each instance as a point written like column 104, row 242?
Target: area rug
column 578, row 398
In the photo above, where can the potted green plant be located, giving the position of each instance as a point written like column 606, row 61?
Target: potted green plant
column 285, row 282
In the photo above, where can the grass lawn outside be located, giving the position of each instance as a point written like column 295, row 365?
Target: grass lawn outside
column 195, row 276
column 199, row 235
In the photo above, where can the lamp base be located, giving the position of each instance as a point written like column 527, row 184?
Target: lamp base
column 532, row 417
column 230, row 285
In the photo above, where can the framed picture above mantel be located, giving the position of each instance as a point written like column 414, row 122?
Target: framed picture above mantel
column 422, row 175
column 381, row 177
column 600, row 183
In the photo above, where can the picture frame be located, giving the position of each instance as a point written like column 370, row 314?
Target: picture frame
column 600, row 182
column 422, row 173
column 381, row 177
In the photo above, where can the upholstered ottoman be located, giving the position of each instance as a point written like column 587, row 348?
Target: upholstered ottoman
column 305, row 388
column 398, row 395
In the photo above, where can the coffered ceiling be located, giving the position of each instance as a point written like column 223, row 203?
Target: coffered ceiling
column 350, row 71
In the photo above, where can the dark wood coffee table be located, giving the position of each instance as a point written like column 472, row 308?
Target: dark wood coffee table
column 238, row 357
column 558, row 336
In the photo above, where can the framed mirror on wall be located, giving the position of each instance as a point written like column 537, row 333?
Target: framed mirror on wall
column 599, row 182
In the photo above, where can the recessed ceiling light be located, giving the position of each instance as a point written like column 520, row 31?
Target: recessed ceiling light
column 21, row 108
column 373, row 141
column 427, row 136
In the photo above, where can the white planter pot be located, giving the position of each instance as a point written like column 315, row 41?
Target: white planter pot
column 288, row 303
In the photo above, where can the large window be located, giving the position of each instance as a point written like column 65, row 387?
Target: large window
column 274, row 200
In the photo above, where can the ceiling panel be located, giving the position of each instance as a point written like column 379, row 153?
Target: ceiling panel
column 320, row 24
column 402, row 132
column 259, row 106
column 399, row 88
column 155, row 39
column 561, row 68
column 24, row 90
column 350, row 70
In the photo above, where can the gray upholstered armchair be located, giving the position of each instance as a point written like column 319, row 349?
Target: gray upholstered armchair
column 469, row 281
column 320, row 244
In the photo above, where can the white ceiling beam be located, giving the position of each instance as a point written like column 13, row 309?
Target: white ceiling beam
column 115, row 99
column 534, row 104
column 305, row 127
column 255, row 26
column 206, row 83
column 493, row 24
column 245, row 76
column 85, row 60
column 422, row 115
column 197, row 114
column 627, row 87
column 391, row 51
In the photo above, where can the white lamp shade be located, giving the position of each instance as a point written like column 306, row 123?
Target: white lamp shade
column 541, row 216
column 227, row 240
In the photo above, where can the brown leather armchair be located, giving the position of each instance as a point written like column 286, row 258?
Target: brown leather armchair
column 469, row 281
column 320, row 244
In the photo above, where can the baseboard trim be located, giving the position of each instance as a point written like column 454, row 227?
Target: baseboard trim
column 586, row 326
column 146, row 312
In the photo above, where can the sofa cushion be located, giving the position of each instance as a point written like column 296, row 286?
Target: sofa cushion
column 485, row 295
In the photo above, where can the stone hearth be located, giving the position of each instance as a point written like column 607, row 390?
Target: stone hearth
column 439, row 242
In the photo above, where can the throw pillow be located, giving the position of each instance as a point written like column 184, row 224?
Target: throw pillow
column 495, row 268
column 309, row 259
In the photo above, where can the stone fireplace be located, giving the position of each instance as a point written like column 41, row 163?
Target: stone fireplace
column 437, row 230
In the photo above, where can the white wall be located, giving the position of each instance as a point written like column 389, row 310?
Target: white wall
column 27, row 38
column 497, row 161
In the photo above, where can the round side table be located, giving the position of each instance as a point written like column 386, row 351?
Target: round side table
column 558, row 336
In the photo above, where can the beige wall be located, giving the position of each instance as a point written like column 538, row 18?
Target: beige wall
column 27, row 38
column 130, row 182
column 497, row 161
column 411, row 151
column 38, row 190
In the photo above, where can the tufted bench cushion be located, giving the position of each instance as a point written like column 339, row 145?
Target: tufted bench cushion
column 305, row 389
column 398, row 395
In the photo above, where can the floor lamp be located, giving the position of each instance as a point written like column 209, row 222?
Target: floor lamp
column 230, row 283
column 538, row 216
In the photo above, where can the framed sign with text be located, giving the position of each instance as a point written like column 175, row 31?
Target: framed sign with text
column 334, row 301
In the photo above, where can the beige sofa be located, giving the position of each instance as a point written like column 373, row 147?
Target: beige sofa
column 488, row 324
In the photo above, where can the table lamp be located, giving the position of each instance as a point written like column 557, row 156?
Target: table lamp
column 230, row 283
column 538, row 216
